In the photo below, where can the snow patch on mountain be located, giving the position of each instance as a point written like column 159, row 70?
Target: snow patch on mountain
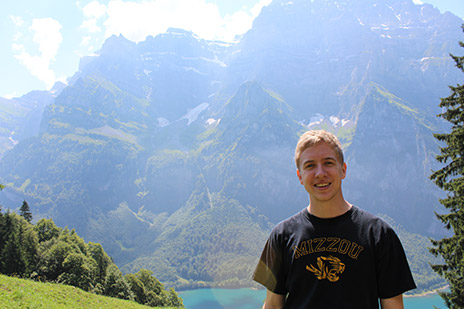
column 317, row 119
column 192, row 114
column 11, row 138
column 333, row 121
column 194, row 70
column 162, row 122
column 212, row 121
column 214, row 60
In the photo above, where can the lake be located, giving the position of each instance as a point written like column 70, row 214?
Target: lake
column 252, row 299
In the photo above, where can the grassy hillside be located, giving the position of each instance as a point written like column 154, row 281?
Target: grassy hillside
column 21, row 293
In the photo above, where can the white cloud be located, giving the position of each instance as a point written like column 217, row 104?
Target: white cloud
column 10, row 95
column 236, row 24
column 38, row 67
column 91, row 25
column 46, row 34
column 87, row 44
column 17, row 47
column 86, row 40
column 17, row 20
column 138, row 20
column 94, row 10
column 241, row 21
column 417, row 2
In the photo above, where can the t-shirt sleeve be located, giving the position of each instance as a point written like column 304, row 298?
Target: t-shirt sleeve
column 269, row 271
column 394, row 274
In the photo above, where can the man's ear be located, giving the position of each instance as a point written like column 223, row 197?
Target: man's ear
column 344, row 170
column 299, row 175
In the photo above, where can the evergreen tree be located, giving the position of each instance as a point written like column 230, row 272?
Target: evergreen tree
column 3, row 230
column 12, row 260
column 27, row 244
column 451, row 179
column 25, row 212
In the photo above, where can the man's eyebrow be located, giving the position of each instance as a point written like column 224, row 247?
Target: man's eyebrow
column 323, row 159
column 330, row 158
column 308, row 161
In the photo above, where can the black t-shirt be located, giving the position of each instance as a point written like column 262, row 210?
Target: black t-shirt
column 345, row 262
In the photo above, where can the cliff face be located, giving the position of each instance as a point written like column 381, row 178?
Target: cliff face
column 391, row 156
column 20, row 117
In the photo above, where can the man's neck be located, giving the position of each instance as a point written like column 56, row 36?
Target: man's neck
column 329, row 209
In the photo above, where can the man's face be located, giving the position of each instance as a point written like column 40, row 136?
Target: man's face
column 321, row 173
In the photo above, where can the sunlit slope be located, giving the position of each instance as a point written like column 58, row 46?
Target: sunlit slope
column 22, row 293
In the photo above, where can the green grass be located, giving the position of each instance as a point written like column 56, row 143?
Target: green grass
column 22, row 293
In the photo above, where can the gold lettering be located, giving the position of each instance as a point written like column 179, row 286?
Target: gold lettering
column 344, row 246
column 355, row 251
column 320, row 242
column 296, row 252
column 333, row 241
column 299, row 251
column 310, row 246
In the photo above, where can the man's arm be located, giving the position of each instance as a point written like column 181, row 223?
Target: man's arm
column 274, row 301
column 392, row 303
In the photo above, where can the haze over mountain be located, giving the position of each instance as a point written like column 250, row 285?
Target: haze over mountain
column 176, row 153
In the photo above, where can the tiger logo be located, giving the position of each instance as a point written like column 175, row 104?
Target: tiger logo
column 329, row 268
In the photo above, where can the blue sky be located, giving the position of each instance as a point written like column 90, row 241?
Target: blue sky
column 43, row 40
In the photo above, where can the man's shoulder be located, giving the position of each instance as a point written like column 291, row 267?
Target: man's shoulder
column 367, row 218
column 289, row 223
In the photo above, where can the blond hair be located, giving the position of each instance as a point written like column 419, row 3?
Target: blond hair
column 311, row 138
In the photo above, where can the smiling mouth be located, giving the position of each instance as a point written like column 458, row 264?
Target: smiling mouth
column 322, row 185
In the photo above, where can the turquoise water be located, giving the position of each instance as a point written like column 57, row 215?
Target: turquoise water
column 252, row 299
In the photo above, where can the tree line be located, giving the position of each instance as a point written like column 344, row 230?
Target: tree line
column 45, row 252
column 450, row 178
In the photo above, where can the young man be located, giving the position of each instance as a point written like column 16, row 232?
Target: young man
column 331, row 254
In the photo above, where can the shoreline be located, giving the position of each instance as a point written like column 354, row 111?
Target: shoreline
column 428, row 293
column 422, row 294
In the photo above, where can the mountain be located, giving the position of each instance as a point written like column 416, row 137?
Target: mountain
column 295, row 47
column 176, row 153
column 391, row 155
column 20, row 117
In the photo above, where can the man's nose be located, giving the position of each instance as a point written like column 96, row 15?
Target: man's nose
column 320, row 171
